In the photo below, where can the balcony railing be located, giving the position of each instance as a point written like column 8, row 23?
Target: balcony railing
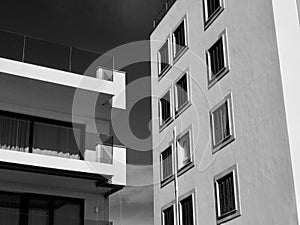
column 52, row 55
column 52, row 138
column 168, row 4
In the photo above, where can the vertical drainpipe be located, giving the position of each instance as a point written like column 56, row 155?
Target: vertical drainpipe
column 175, row 177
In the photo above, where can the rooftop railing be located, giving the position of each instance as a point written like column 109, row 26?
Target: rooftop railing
column 40, row 52
column 168, row 4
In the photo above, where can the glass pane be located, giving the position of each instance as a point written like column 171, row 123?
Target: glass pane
column 67, row 212
column 164, row 57
column 183, row 149
column 167, row 162
column 226, row 194
column 187, row 211
column 182, row 95
column 165, row 107
column 216, row 58
column 14, row 134
column 221, row 123
column 9, row 209
column 38, row 212
column 179, row 35
column 169, row 216
column 55, row 140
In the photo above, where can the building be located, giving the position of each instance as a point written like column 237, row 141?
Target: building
column 59, row 160
column 220, row 145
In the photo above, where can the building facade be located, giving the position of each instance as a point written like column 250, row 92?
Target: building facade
column 59, row 161
column 220, row 143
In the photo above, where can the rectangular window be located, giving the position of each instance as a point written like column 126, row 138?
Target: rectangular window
column 217, row 61
column 167, row 163
column 163, row 58
column 222, row 124
column 227, row 198
column 168, row 216
column 181, row 92
column 184, row 156
column 33, row 209
column 187, row 211
column 179, row 39
column 165, row 108
column 212, row 8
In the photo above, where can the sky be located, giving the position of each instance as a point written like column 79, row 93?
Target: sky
column 102, row 25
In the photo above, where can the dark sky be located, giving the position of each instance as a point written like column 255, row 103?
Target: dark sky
column 98, row 25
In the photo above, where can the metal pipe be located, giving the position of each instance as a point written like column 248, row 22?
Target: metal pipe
column 175, row 177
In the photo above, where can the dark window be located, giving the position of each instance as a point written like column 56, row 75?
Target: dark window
column 168, row 216
column 221, row 124
column 31, row 209
column 41, row 136
column 179, row 38
column 165, row 108
column 166, row 157
column 212, row 7
column 181, row 92
column 163, row 58
column 187, row 211
column 226, row 194
column 216, row 57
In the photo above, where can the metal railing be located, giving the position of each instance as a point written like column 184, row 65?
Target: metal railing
column 57, row 56
column 163, row 12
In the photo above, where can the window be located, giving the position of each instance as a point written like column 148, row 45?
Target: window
column 184, row 155
column 227, row 198
column 165, row 109
column 163, row 58
column 168, row 216
column 222, row 124
column 179, row 39
column 186, row 208
column 33, row 209
column 181, row 93
column 167, row 164
column 212, row 8
column 217, row 60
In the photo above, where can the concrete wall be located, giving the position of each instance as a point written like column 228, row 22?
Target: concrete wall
column 261, row 147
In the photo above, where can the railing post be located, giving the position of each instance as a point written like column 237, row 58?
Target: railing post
column 70, row 59
column 23, row 50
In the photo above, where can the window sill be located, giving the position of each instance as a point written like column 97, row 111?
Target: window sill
column 213, row 17
column 165, row 124
column 217, row 77
column 164, row 72
column 185, row 168
column 180, row 54
column 228, row 216
column 222, row 144
column 184, row 107
column 166, row 181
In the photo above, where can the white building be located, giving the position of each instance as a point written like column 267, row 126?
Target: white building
column 58, row 161
column 220, row 147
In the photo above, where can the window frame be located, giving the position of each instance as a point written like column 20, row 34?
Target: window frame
column 166, row 180
column 165, row 208
column 218, row 146
column 183, row 197
column 161, row 72
column 212, row 79
column 208, row 20
column 164, row 124
column 190, row 163
column 179, row 110
column 237, row 211
column 177, row 55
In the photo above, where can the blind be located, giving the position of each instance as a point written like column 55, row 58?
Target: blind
column 181, row 88
column 216, row 55
column 226, row 194
column 221, row 123
column 167, row 162
column 187, row 211
column 169, row 216
column 212, row 6
column 179, row 36
column 164, row 57
column 165, row 107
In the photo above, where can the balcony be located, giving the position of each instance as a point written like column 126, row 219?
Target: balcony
column 168, row 4
column 58, row 64
column 59, row 146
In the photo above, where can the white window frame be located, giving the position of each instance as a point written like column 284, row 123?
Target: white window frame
column 237, row 212
column 177, row 55
column 218, row 146
column 166, row 207
column 208, row 20
column 161, row 72
column 184, row 196
column 163, row 124
column 212, row 79
column 179, row 110
column 162, row 179
column 188, row 164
